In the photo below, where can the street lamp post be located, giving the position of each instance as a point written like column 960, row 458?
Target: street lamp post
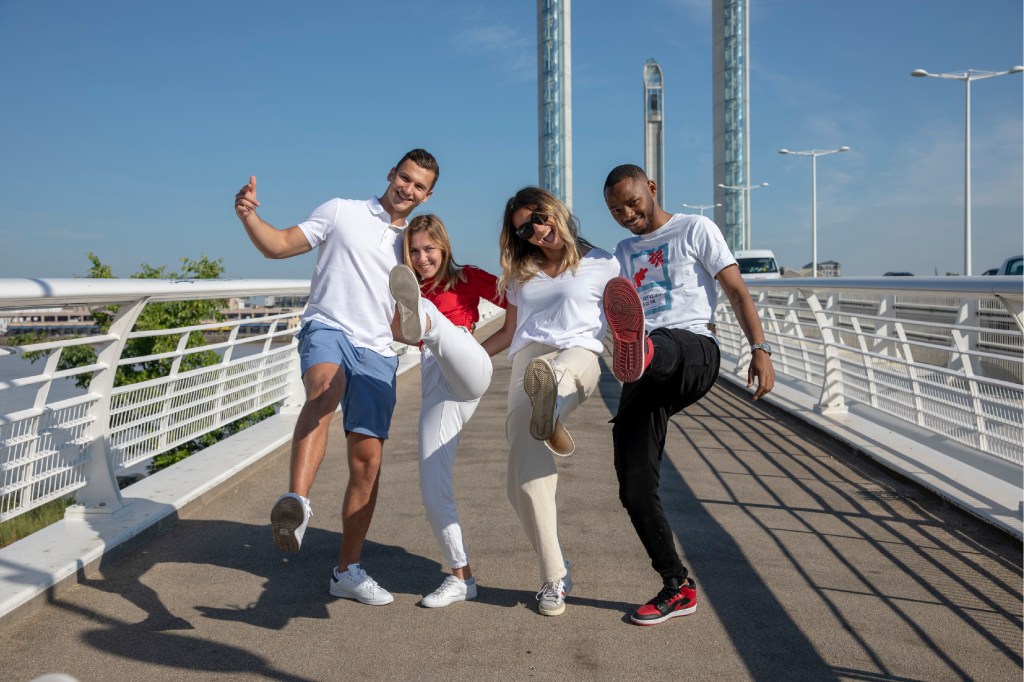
column 701, row 207
column 967, row 76
column 745, row 189
column 814, row 154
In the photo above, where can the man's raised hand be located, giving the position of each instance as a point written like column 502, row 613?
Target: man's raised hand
column 245, row 200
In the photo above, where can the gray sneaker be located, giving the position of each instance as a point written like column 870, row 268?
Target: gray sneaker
column 541, row 386
column 551, row 597
column 355, row 584
column 289, row 518
column 412, row 319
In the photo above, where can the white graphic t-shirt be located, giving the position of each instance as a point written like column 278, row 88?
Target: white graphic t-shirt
column 674, row 268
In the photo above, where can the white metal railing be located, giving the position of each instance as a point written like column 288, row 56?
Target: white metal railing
column 55, row 442
column 942, row 353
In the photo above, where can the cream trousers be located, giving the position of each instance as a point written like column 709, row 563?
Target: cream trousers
column 532, row 476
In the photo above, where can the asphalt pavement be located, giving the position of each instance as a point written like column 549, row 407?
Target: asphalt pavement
column 811, row 563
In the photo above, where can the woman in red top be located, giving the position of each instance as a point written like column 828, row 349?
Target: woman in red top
column 438, row 306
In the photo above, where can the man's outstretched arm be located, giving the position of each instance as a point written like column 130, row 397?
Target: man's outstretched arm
column 761, row 367
column 271, row 242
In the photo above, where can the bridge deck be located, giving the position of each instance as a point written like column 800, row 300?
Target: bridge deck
column 812, row 563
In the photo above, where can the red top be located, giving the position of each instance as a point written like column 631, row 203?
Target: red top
column 460, row 304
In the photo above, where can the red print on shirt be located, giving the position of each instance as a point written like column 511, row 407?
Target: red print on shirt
column 656, row 258
column 639, row 277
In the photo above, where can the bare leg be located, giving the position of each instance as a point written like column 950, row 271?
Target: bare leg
column 325, row 384
column 364, row 458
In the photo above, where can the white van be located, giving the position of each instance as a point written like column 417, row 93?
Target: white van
column 757, row 264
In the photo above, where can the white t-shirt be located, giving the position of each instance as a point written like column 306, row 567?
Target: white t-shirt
column 674, row 271
column 357, row 247
column 564, row 311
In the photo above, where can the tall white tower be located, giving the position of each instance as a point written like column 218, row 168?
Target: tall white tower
column 554, row 85
column 731, row 75
column 654, row 127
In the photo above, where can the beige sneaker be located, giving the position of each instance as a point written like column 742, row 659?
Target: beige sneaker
column 560, row 443
column 541, row 386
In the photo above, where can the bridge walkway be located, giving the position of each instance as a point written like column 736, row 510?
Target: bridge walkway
column 812, row 564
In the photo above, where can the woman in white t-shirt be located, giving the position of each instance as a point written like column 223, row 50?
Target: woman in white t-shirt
column 554, row 327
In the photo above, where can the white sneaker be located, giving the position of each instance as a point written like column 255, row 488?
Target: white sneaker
column 289, row 518
column 551, row 597
column 405, row 287
column 355, row 584
column 453, row 589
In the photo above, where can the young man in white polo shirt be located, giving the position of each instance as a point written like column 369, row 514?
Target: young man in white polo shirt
column 345, row 350
column 672, row 266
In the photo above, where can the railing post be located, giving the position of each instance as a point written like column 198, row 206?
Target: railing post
column 100, row 494
column 831, row 400
column 908, row 359
column 296, row 396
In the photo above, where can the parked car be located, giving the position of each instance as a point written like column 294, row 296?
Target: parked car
column 757, row 264
column 1014, row 265
column 898, row 274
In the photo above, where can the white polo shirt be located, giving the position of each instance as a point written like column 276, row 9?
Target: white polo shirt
column 674, row 268
column 357, row 248
column 563, row 311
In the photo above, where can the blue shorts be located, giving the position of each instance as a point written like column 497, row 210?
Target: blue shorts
column 369, row 398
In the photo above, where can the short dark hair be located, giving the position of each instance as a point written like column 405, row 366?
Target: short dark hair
column 626, row 170
column 423, row 159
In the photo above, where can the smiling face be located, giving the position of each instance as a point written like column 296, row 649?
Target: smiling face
column 633, row 206
column 425, row 255
column 545, row 235
column 409, row 186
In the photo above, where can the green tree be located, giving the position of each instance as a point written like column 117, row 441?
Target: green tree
column 155, row 316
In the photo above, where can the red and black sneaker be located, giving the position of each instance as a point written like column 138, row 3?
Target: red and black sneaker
column 632, row 349
column 670, row 602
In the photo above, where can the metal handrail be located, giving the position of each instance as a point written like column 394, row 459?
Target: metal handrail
column 959, row 375
column 52, row 446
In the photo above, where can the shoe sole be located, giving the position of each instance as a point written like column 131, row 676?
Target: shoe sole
column 285, row 518
column 681, row 612
column 625, row 315
column 540, row 385
column 337, row 591
column 406, row 290
column 552, row 612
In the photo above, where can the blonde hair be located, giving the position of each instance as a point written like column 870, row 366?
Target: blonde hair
column 521, row 260
column 449, row 272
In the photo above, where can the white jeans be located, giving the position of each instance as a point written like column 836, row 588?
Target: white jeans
column 532, row 475
column 455, row 371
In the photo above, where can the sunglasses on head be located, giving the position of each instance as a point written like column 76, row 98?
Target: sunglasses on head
column 525, row 231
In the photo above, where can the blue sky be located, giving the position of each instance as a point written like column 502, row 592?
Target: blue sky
column 126, row 127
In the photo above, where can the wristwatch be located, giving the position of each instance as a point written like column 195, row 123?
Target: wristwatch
column 764, row 345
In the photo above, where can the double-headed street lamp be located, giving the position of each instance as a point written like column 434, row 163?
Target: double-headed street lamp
column 701, row 207
column 814, row 154
column 967, row 76
column 745, row 241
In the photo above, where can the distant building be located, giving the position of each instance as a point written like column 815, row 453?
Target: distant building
column 829, row 268
column 554, row 97
column 78, row 321
column 70, row 321
column 654, row 127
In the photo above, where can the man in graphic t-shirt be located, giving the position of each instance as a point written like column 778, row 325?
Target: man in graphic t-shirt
column 670, row 265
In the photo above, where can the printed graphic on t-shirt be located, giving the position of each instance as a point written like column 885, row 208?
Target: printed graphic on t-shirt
column 650, row 277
